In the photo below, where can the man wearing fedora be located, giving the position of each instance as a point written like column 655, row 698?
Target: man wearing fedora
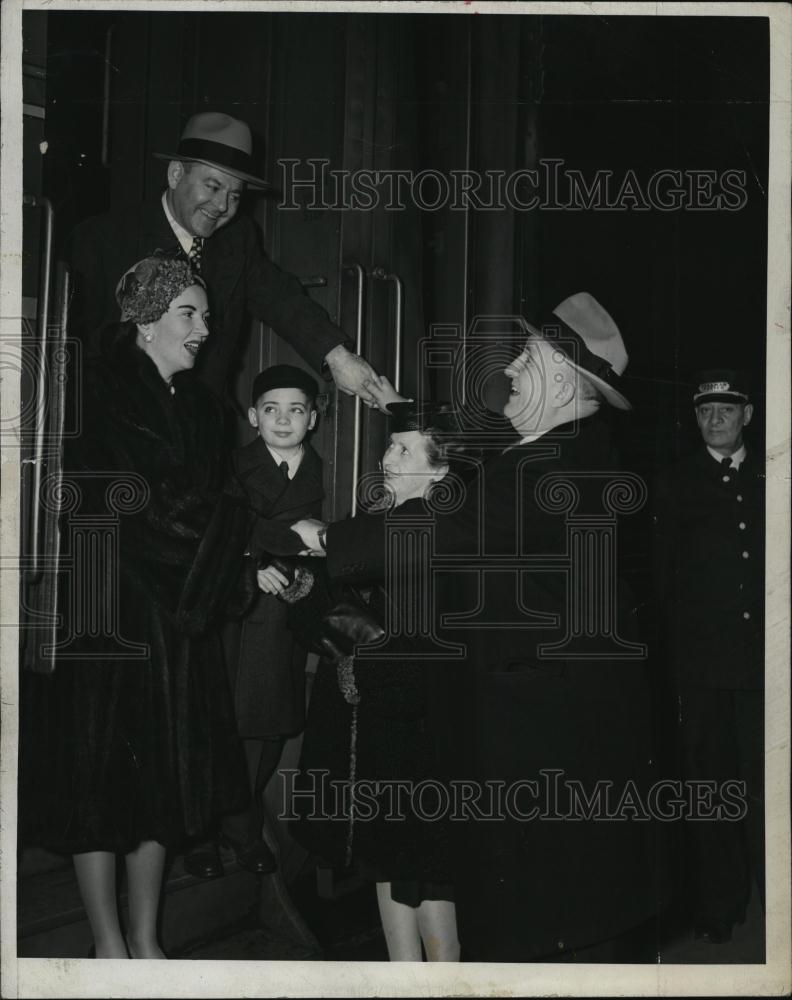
column 532, row 883
column 197, row 216
column 709, row 518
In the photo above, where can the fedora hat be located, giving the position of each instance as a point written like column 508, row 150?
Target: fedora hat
column 593, row 345
column 219, row 141
column 421, row 415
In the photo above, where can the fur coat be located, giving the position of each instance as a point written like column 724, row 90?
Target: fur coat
column 132, row 738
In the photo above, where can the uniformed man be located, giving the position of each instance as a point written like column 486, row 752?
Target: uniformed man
column 710, row 534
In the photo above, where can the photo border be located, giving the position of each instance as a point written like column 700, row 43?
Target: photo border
column 79, row 978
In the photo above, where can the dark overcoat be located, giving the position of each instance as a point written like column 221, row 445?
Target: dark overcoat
column 242, row 282
column 268, row 678
column 528, row 888
column 133, row 738
column 372, row 729
column 709, row 561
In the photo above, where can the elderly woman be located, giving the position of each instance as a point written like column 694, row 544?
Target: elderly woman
column 134, row 746
column 373, row 720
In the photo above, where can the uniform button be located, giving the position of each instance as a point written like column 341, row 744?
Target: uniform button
column 560, row 945
column 739, row 498
column 727, row 479
column 746, row 615
column 745, row 555
column 742, row 525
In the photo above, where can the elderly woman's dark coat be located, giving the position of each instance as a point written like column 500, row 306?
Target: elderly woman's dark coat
column 374, row 729
column 133, row 738
column 531, row 887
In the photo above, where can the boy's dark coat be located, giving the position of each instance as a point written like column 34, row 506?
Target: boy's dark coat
column 268, row 675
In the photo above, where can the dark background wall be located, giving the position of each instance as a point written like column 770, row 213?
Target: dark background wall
column 686, row 287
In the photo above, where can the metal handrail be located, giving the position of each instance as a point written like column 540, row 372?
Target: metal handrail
column 382, row 274
column 40, row 651
column 42, row 318
column 357, row 426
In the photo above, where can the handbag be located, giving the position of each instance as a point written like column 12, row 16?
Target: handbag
column 351, row 624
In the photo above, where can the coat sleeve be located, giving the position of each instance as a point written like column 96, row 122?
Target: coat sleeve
column 499, row 513
column 269, row 536
column 356, row 549
column 274, row 538
column 278, row 298
column 218, row 569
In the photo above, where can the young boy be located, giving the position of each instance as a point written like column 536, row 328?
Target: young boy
column 281, row 476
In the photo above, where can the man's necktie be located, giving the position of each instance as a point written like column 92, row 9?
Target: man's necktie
column 196, row 254
column 284, row 471
column 728, row 469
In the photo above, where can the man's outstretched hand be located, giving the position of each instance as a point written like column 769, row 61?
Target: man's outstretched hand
column 353, row 374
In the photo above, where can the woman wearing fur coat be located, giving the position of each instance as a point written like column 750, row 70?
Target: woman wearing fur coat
column 130, row 746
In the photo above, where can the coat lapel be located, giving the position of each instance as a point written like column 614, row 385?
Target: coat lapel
column 260, row 476
column 223, row 262
column 305, row 488
column 156, row 233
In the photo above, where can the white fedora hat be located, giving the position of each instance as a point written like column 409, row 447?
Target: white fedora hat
column 593, row 345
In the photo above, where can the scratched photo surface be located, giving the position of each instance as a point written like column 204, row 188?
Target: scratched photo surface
column 397, row 439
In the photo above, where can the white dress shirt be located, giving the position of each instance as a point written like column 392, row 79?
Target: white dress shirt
column 181, row 234
column 293, row 462
column 737, row 458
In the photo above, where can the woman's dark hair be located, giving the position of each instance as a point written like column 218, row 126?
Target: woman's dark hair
column 440, row 446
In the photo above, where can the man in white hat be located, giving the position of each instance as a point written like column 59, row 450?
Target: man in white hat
column 709, row 565
column 550, row 888
column 197, row 216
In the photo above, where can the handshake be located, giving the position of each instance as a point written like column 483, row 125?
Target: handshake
column 312, row 532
